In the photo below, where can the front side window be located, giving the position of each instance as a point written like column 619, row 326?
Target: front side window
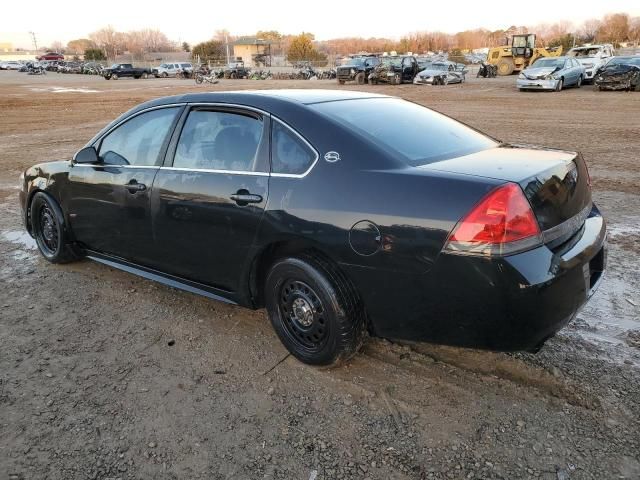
column 289, row 153
column 219, row 140
column 138, row 141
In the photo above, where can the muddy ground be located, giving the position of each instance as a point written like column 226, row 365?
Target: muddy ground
column 106, row 375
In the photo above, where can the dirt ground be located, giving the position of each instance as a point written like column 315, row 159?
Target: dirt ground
column 104, row 375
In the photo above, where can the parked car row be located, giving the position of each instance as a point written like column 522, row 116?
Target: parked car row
column 397, row 69
column 556, row 73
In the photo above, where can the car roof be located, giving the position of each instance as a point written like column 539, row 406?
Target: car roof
column 260, row 98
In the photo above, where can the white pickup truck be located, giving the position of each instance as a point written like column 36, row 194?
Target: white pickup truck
column 592, row 57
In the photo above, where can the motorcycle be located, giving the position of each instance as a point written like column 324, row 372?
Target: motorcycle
column 487, row 70
column 204, row 77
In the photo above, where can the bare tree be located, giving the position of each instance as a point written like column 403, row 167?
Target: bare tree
column 589, row 29
column 614, row 28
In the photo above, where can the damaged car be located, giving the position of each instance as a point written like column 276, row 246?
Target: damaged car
column 621, row 73
column 394, row 70
column 357, row 69
column 441, row 73
column 551, row 73
column 592, row 58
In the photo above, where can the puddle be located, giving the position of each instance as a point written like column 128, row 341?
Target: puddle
column 21, row 238
column 64, row 90
column 25, row 247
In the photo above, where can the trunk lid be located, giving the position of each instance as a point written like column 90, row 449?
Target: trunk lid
column 555, row 182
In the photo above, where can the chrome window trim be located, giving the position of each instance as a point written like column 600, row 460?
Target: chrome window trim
column 210, row 170
column 313, row 164
column 149, row 109
column 112, row 165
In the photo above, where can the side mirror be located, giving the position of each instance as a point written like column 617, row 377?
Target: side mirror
column 86, row 155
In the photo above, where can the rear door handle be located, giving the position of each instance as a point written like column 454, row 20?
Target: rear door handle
column 243, row 199
column 133, row 186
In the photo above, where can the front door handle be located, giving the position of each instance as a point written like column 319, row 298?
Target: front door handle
column 243, row 198
column 133, row 186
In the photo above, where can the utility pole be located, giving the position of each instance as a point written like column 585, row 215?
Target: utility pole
column 35, row 40
column 226, row 43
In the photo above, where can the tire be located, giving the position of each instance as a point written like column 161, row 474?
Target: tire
column 198, row 79
column 165, row 74
column 341, row 82
column 579, row 82
column 114, row 76
column 233, row 75
column 505, row 66
column 397, row 80
column 360, row 78
column 48, row 228
column 314, row 310
column 559, row 85
column 145, row 75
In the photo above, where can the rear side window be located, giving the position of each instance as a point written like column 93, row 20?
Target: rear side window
column 412, row 132
column 138, row 141
column 218, row 140
column 290, row 154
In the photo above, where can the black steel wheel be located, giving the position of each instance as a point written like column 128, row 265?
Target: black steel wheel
column 314, row 310
column 47, row 226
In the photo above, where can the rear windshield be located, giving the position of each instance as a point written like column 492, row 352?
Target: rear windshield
column 416, row 134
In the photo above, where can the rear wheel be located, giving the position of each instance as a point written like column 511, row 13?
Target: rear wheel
column 314, row 310
column 505, row 66
column 47, row 225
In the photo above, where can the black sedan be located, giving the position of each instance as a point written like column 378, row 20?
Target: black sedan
column 342, row 213
column 620, row 73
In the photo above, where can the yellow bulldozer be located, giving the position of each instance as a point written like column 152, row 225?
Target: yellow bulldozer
column 520, row 54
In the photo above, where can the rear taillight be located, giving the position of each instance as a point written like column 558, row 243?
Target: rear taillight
column 501, row 224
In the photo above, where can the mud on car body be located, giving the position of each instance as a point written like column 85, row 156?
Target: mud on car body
column 340, row 212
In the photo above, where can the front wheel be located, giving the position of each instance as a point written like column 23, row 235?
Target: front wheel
column 579, row 83
column 314, row 310
column 198, row 79
column 114, row 76
column 47, row 225
column 360, row 78
column 145, row 75
column 559, row 85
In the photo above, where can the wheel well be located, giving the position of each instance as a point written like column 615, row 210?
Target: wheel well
column 275, row 251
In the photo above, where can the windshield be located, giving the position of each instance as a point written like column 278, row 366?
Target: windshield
column 353, row 61
column 584, row 52
column 416, row 134
column 625, row 61
column 396, row 62
column 549, row 62
column 439, row 66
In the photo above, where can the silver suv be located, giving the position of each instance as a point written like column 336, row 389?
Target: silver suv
column 592, row 57
column 171, row 69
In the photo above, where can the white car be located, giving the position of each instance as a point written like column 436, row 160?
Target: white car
column 592, row 57
column 171, row 69
column 11, row 65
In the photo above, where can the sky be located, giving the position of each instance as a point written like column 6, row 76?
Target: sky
column 197, row 21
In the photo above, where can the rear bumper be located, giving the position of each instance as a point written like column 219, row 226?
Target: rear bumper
column 537, row 84
column 511, row 303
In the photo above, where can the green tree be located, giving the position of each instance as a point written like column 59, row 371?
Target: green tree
column 302, row 48
column 213, row 50
column 94, row 54
column 186, row 47
column 565, row 41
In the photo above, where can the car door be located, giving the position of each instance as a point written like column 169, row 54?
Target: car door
column 209, row 198
column 108, row 202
